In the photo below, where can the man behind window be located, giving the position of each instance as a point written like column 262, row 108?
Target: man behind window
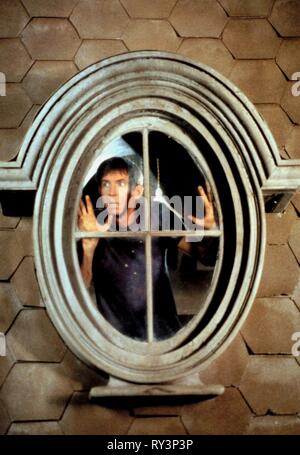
column 116, row 265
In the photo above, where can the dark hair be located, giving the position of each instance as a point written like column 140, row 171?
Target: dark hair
column 121, row 164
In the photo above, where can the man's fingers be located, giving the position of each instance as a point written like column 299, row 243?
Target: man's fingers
column 209, row 192
column 207, row 203
column 207, row 199
column 82, row 207
column 195, row 220
column 89, row 205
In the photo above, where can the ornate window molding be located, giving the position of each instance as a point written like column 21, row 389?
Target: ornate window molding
column 216, row 123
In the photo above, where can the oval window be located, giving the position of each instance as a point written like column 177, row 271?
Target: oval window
column 151, row 276
column 148, row 281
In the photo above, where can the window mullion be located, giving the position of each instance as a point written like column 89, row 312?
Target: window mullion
column 173, row 233
column 148, row 242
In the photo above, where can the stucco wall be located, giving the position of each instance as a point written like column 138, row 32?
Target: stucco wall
column 256, row 44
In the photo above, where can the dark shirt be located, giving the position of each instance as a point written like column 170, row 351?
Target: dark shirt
column 120, row 285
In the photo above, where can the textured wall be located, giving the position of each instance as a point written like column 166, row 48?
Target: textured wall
column 256, row 44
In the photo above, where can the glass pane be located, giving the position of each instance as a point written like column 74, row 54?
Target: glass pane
column 182, row 274
column 114, row 187
column 120, row 286
column 182, row 266
column 180, row 193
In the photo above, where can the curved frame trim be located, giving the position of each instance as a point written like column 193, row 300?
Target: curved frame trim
column 160, row 92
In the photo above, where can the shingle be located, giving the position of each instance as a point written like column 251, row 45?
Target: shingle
column 272, row 383
column 198, row 18
column 35, row 391
column 251, row 38
column 96, row 19
column 33, row 338
column 261, row 80
column 220, row 371
column 270, row 325
column 155, row 9
column 209, row 51
column 285, row 17
column 44, row 78
column 13, row 18
column 150, row 34
column 51, row 39
column 92, row 51
column 86, row 418
column 225, row 414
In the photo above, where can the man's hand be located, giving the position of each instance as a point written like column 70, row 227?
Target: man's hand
column 209, row 221
column 87, row 221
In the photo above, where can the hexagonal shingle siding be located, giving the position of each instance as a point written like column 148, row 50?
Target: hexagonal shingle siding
column 279, row 226
column 24, row 235
column 281, row 272
column 261, row 80
column 285, row 17
column 51, row 39
column 156, row 9
column 96, row 19
column 157, row 425
column 274, row 425
column 292, row 145
column 220, row 371
column 270, row 325
column 11, row 140
column 35, row 391
column 226, row 414
column 272, row 383
column 278, row 122
column 198, row 18
column 247, row 8
column 14, row 106
column 33, row 338
column 13, row 18
column 294, row 239
column 209, row 51
column 46, row 77
column 82, row 417
column 11, row 254
column 49, row 8
column 290, row 103
column 91, row 51
column 288, row 57
column 14, row 59
column 253, row 38
column 6, row 363
column 35, row 428
column 150, row 34
column 4, row 419
column 25, row 283
column 9, row 306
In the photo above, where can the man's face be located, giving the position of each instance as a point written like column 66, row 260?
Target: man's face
column 115, row 189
